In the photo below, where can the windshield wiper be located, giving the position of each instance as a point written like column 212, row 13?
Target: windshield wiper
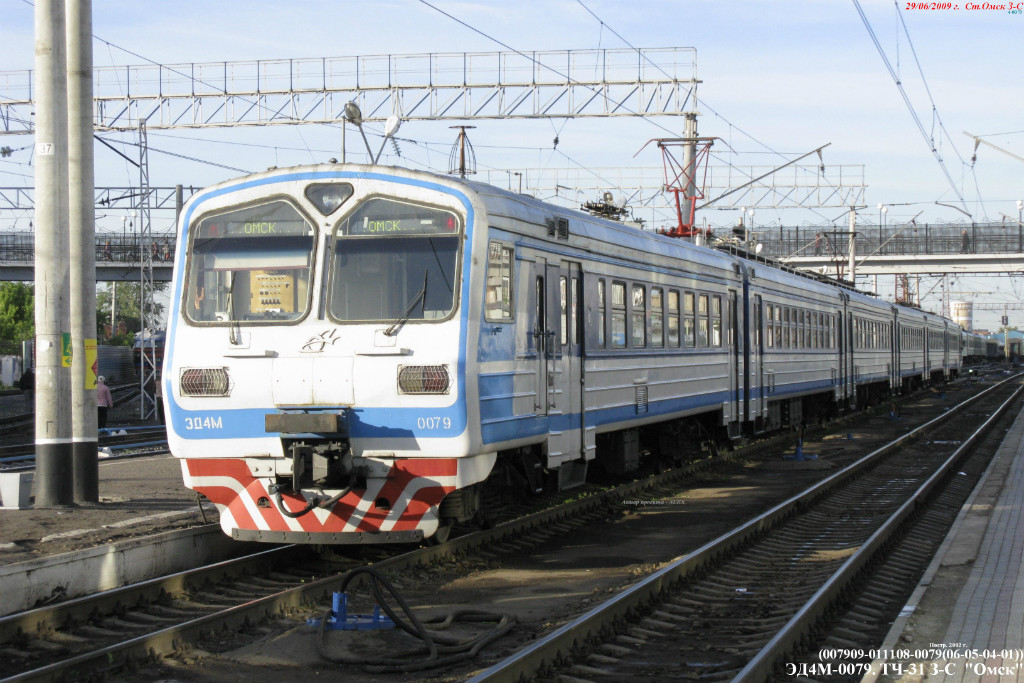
column 234, row 329
column 420, row 298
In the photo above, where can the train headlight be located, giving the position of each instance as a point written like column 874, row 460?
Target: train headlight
column 205, row 382
column 423, row 379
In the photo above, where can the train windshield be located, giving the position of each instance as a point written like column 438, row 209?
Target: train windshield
column 395, row 261
column 250, row 264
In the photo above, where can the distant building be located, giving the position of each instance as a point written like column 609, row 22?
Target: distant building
column 963, row 313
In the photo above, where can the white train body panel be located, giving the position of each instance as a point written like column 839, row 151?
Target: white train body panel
column 801, row 335
column 406, row 337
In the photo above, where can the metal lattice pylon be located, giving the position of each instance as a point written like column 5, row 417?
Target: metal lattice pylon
column 681, row 178
column 147, row 246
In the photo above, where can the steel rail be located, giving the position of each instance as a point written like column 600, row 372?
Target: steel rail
column 172, row 639
column 50, row 617
column 786, row 640
column 25, row 452
column 542, row 653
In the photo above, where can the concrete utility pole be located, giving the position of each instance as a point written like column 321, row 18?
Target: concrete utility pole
column 82, row 242
column 1006, row 334
column 53, row 426
column 689, row 166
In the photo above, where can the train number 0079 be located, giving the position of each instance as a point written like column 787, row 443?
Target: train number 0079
column 434, row 422
column 195, row 423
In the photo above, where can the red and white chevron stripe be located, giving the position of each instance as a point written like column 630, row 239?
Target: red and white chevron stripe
column 414, row 488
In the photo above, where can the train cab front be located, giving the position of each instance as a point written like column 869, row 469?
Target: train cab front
column 313, row 367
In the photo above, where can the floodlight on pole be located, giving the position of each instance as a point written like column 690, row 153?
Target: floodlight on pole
column 354, row 116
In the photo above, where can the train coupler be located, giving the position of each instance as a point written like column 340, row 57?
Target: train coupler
column 340, row 620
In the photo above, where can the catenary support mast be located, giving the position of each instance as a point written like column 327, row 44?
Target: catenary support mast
column 53, row 424
column 82, row 234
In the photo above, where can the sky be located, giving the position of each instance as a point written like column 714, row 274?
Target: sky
column 778, row 79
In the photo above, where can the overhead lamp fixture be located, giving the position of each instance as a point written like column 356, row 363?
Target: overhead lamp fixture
column 353, row 114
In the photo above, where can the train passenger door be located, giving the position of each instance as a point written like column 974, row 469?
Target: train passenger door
column 842, row 391
column 926, row 350
column 560, row 346
column 851, row 360
column 947, row 356
column 756, row 401
column 894, row 352
column 542, row 337
column 737, row 376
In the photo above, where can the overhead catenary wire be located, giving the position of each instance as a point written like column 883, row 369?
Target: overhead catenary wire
column 424, row 158
column 697, row 100
column 180, row 156
column 548, row 67
column 906, row 100
column 703, row 103
column 111, row 45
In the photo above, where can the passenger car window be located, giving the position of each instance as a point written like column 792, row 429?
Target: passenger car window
column 251, row 264
column 498, row 298
column 639, row 316
column 395, row 259
column 619, row 315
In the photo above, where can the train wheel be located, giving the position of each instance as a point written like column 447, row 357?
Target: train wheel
column 440, row 536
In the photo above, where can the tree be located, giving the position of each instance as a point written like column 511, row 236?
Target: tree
column 128, row 305
column 17, row 310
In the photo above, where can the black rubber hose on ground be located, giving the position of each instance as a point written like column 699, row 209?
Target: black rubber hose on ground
column 439, row 648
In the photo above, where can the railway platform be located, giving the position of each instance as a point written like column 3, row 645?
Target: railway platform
column 146, row 524
column 965, row 621
column 138, row 496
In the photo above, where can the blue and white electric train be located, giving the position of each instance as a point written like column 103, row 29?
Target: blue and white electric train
column 361, row 353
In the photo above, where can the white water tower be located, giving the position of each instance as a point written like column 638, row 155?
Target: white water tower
column 963, row 313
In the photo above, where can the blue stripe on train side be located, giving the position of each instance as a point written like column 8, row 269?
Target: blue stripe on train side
column 363, row 423
column 501, row 427
column 373, row 422
column 498, row 424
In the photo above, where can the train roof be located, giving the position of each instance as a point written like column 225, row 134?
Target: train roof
column 505, row 204
column 525, row 207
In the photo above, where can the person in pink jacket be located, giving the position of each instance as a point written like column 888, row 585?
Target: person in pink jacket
column 104, row 401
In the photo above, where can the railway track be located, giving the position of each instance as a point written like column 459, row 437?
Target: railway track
column 154, row 619
column 113, row 630
column 18, row 451
column 134, row 441
column 11, row 423
column 788, row 586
